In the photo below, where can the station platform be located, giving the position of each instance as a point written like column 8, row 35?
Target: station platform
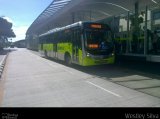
column 138, row 57
column 132, row 57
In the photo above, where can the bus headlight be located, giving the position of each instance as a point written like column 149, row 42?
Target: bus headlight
column 88, row 54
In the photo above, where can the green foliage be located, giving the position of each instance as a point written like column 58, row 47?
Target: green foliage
column 5, row 32
column 5, row 28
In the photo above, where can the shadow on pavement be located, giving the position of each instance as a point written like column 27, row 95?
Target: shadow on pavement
column 122, row 69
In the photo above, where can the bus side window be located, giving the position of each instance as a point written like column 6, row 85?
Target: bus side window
column 61, row 37
column 79, row 39
column 55, row 38
column 73, row 36
column 55, row 41
column 41, row 43
column 68, row 36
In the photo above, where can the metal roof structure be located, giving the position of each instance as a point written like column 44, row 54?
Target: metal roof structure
column 64, row 12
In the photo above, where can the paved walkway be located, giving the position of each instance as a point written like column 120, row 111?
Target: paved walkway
column 33, row 81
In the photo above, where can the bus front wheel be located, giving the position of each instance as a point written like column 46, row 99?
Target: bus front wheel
column 68, row 59
column 45, row 54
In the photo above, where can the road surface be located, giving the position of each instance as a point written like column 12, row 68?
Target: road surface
column 29, row 80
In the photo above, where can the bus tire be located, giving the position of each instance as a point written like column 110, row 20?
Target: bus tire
column 45, row 54
column 68, row 59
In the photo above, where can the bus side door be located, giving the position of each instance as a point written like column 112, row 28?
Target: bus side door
column 76, row 43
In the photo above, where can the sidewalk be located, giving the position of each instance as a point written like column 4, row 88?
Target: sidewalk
column 3, row 57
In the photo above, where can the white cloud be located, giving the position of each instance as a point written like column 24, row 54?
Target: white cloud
column 20, row 32
column 8, row 19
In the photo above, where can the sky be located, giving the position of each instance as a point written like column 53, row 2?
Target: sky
column 22, row 13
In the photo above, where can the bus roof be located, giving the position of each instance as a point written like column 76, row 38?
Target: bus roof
column 62, row 28
column 80, row 23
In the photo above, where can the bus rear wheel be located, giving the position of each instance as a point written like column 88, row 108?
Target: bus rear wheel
column 68, row 59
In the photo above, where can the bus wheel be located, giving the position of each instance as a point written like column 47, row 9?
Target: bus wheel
column 45, row 54
column 68, row 59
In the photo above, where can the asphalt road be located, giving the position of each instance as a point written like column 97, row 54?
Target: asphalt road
column 29, row 80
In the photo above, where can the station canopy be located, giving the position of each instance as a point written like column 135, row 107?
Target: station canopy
column 63, row 12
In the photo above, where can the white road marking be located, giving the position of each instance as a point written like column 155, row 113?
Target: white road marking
column 104, row 89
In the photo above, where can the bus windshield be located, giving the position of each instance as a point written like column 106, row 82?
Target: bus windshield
column 98, row 41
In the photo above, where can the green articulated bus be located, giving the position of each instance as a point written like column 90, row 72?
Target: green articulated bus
column 83, row 43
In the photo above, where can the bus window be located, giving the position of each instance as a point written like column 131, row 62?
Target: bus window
column 98, row 41
column 79, row 39
column 68, row 36
column 96, row 37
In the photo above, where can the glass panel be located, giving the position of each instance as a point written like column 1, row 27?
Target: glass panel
column 98, row 42
column 154, row 40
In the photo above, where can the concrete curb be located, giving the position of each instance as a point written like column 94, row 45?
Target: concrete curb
column 2, row 64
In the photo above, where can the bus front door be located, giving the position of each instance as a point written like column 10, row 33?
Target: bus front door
column 76, row 39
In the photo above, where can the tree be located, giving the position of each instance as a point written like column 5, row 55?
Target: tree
column 5, row 31
column 5, row 28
